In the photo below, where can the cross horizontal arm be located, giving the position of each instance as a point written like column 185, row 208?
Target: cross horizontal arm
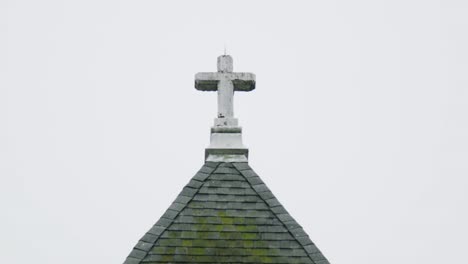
column 208, row 81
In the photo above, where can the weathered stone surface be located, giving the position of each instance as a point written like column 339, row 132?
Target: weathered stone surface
column 226, row 135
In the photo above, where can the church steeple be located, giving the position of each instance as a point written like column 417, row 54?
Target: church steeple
column 226, row 213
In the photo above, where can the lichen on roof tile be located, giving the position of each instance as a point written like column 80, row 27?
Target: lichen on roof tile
column 226, row 214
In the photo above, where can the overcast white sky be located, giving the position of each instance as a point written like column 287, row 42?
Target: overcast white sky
column 359, row 123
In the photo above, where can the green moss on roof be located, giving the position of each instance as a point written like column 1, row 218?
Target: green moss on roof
column 226, row 214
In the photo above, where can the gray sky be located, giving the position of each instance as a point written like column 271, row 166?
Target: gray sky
column 359, row 123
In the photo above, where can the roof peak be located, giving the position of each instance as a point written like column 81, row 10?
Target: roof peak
column 226, row 214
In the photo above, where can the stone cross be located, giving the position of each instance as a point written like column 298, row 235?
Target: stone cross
column 225, row 82
column 226, row 135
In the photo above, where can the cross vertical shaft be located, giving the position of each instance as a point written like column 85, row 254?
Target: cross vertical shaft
column 225, row 88
column 225, row 99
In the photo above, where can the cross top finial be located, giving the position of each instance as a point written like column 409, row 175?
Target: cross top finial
column 226, row 134
column 225, row 63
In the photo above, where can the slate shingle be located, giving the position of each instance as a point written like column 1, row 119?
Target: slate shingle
column 226, row 214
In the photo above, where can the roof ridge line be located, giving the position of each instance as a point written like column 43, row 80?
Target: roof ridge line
column 142, row 248
column 266, row 195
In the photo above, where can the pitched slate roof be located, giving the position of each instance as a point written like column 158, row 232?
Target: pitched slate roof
column 226, row 214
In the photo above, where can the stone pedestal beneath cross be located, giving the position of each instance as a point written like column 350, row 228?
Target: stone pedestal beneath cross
column 226, row 135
